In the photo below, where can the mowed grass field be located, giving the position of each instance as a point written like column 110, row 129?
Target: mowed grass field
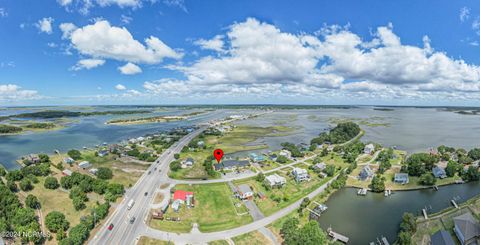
column 251, row 238
column 150, row 241
column 213, row 211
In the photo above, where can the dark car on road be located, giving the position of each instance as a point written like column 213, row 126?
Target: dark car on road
column 132, row 220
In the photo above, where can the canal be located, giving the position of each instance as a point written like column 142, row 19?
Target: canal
column 364, row 218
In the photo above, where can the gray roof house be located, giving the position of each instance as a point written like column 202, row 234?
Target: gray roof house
column 401, row 178
column 439, row 172
column 466, row 228
column 442, row 237
column 231, row 164
column 366, row 173
column 84, row 165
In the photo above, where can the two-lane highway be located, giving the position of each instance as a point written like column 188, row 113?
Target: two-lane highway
column 124, row 232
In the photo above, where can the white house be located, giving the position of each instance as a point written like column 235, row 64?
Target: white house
column 300, row 174
column 285, row 153
column 245, row 192
column 84, row 165
column 369, row 149
column 275, row 180
column 67, row 172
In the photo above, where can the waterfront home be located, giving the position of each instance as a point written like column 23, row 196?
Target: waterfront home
column 466, row 228
column 317, row 211
column 275, row 180
column 32, row 159
column 273, row 157
column 256, row 158
column 366, row 173
column 68, row 160
column 439, row 172
column 245, row 192
column 84, row 165
column 231, row 164
column 102, row 153
column 67, row 172
column 300, row 174
column 187, row 163
column 401, row 178
column 369, row 149
column 319, row 166
column 93, row 171
column 285, row 153
column 441, row 237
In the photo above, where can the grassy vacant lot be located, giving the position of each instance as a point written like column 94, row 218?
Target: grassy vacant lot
column 218, row 242
column 58, row 200
column 241, row 138
column 213, row 211
column 150, row 241
column 288, row 194
column 251, row 238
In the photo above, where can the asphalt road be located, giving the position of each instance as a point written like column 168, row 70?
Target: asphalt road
column 124, row 232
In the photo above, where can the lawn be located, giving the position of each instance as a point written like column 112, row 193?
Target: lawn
column 288, row 194
column 251, row 238
column 150, row 241
column 58, row 200
column 213, row 211
column 218, row 242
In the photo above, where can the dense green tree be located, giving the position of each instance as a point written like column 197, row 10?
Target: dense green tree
column 133, row 153
column 56, row 222
column 420, row 163
column 474, row 154
column 428, row 179
column 311, row 234
column 75, row 154
column 408, row 223
column 14, row 175
column 445, row 149
column 78, row 203
column 378, row 183
column 289, row 230
column 32, row 201
column 471, row 174
column 176, row 156
column 451, row 168
column 175, row 165
column 51, row 183
column 25, row 221
column 44, row 157
column 104, row 173
column 260, row 177
column 3, row 172
column 79, row 233
column 293, row 149
column 342, row 133
column 404, row 238
column 329, row 170
column 282, row 159
column 26, row 185
column 99, row 186
column 12, row 186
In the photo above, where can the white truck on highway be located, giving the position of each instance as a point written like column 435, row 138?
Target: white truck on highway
column 130, row 204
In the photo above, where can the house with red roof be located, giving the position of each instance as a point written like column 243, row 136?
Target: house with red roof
column 181, row 197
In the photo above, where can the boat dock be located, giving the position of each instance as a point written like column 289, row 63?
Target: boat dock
column 337, row 236
column 388, row 193
column 424, row 211
column 454, row 203
column 435, row 187
column 362, row 192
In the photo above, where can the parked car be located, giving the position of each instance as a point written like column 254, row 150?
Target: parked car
column 110, row 227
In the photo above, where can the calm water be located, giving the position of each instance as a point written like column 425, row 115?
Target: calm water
column 364, row 218
column 88, row 132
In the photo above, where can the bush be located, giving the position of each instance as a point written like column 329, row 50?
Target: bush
column 51, row 183
column 175, row 166
column 75, row 154
column 32, row 201
column 428, row 179
column 26, row 185
column 104, row 173
column 56, row 222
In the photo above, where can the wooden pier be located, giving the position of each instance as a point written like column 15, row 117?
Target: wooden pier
column 337, row 236
column 454, row 203
column 424, row 211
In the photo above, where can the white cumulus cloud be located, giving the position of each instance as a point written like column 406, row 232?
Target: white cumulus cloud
column 120, row 87
column 67, row 29
column 87, row 64
column 45, row 25
column 12, row 92
column 130, row 69
column 215, row 43
column 101, row 40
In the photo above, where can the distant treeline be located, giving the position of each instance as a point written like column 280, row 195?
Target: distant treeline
column 342, row 133
column 59, row 114
column 8, row 129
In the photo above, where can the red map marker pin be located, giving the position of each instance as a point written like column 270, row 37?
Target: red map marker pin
column 218, row 154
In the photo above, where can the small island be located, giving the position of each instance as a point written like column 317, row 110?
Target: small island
column 155, row 119
column 18, row 127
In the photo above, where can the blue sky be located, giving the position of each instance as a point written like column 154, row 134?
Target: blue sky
column 191, row 52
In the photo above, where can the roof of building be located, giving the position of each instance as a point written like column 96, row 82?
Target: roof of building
column 438, row 171
column 244, row 188
column 401, row 176
column 442, row 237
column 320, row 165
column 232, row 163
column 189, row 159
column 84, row 164
column 275, row 178
column 67, row 171
column 181, row 195
column 467, row 225
column 299, row 171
